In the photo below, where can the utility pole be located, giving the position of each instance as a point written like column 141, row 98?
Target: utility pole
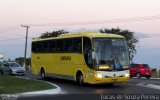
column 25, row 52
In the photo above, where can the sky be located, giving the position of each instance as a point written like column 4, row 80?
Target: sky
column 13, row 13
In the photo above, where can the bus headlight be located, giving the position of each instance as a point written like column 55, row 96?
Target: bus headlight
column 99, row 75
column 126, row 74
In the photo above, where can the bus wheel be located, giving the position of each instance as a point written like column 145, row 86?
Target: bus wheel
column 80, row 79
column 42, row 73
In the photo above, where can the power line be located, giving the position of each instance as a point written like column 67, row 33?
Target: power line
column 122, row 20
column 11, row 39
column 8, row 45
column 8, row 29
column 133, row 19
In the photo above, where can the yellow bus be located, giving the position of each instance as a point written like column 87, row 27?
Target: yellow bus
column 85, row 57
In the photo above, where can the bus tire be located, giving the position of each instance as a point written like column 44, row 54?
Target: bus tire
column 80, row 78
column 42, row 74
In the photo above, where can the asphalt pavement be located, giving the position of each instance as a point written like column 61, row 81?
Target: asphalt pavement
column 70, row 90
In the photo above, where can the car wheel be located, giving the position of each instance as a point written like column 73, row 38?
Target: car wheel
column 138, row 75
column 80, row 79
column 42, row 74
column 10, row 72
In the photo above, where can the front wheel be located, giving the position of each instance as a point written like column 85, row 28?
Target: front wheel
column 80, row 79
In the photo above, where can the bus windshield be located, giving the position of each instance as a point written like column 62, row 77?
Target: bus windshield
column 110, row 51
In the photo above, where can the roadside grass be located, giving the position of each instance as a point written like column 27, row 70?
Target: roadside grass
column 155, row 74
column 12, row 85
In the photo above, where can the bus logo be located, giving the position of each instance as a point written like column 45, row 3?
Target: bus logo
column 65, row 57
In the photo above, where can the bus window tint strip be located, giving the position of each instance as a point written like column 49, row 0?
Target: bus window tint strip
column 70, row 45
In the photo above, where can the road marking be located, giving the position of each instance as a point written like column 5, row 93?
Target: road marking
column 149, row 85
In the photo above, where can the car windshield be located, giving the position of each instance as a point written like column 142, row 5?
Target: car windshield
column 106, row 50
column 14, row 65
column 145, row 66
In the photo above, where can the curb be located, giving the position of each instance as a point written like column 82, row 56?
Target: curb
column 57, row 90
column 155, row 78
column 145, row 78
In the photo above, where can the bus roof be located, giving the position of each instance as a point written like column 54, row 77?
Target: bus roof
column 82, row 34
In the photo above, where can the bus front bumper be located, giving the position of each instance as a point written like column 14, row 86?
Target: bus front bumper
column 110, row 80
column 110, row 77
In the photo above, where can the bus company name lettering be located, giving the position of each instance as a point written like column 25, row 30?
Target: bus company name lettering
column 65, row 58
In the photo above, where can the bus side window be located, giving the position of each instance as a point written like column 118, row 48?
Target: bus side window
column 77, row 45
column 68, row 45
column 87, row 49
column 86, row 44
column 59, row 45
column 34, row 47
column 38, row 48
column 52, row 46
column 45, row 47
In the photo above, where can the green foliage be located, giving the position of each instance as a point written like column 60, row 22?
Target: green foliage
column 20, row 60
column 12, row 85
column 52, row 34
column 130, row 38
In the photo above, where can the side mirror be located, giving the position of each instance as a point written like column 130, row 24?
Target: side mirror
column 93, row 55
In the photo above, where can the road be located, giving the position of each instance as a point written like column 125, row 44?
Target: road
column 71, row 90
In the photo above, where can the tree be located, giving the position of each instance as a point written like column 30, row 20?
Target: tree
column 20, row 60
column 130, row 38
column 52, row 34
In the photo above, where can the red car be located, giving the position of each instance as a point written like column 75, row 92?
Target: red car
column 140, row 70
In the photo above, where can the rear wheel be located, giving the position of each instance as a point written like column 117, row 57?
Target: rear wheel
column 138, row 75
column 80, row 79
column 42, row 73
column 10, row 72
